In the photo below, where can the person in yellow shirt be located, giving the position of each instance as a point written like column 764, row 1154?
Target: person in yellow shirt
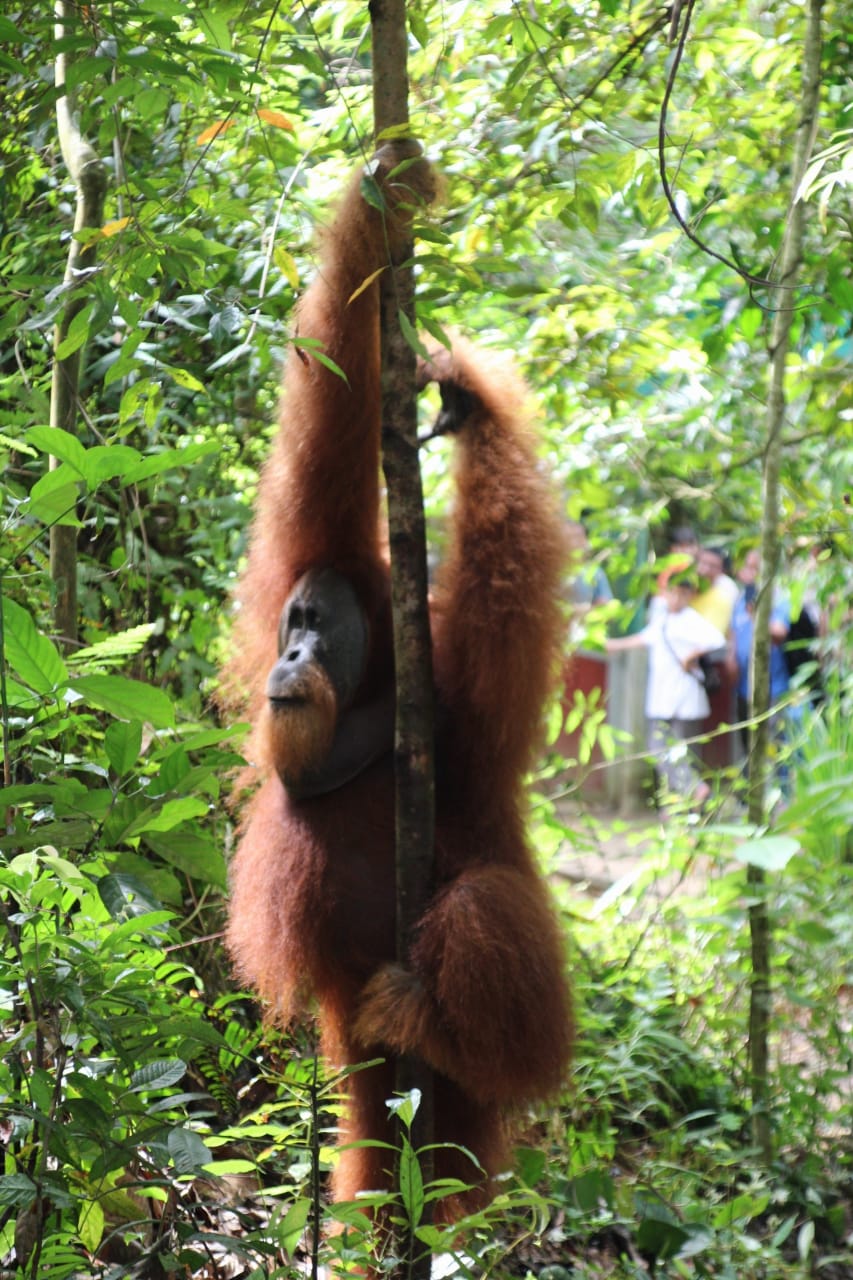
column 716, row 601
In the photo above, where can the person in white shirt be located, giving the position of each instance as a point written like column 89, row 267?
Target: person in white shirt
column 676, row 702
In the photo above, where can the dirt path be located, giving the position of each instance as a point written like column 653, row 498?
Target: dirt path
column 606, row 853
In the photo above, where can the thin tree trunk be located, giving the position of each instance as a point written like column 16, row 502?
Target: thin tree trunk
column 413, row 755
column 783, row 302
column 90, row 180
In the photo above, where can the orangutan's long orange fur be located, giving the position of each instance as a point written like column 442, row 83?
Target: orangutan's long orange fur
column 483, row 997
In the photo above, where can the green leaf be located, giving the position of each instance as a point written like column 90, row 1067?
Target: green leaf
column 659, row 1239
column 126, row 699
column 17, row 1188
column 158, row 1075
column 33, row 658
column 59, row 444
column 42, row 793
column 53, row 498
column 108, row 461
column 805, row 1239
column 812, row 931
column 113, row 648
column 66, row 872
column 411, row 335
column 771, row 853
column 56, row 504
column 171, row 815
column 122, row 742
column 531, row 1165
column 184, row 379
column 78, row 332
column 751, row 319
column 289, row 1230
column 125, row 897
column 286, row 265
column 90, row 1224
column 349, row 1215
column 327, row 363
column 371, row 192
column 841, row 290
column 19, row 698
column 741, row 1208
column 188, row 1152
column 405, row 1106
column 196, row 855
column 411, row 1183
column 169, row 459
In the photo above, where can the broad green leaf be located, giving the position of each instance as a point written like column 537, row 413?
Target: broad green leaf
column 350, row 1215
column 771, row 853
column 185, row 379
column 33, row 658
column 78, row 332
column 20, row 698
column 196, row 855
column 90, row 1224
column 217, row 25
column 122, row 743
column 56, row 503
column 815, row 933
column 740, row 1208
column 659, row 1239
column 158, row 1075
column 17, row 1189
column 168, row 459
column 67, row 872
column 126, row 897
column 531, row 1165
column 126, row 699
column 222, row 1169
column 109, row 461
column 289, row 1230
column 59, row 444
column 188, row 1152
column 171, row 815
column 286, row 265
column 62, row 792
column 419, row 28
column 64, row 833
column 160, row 883
column 174, row 769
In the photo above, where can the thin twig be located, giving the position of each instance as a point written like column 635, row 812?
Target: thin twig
column 754, row 281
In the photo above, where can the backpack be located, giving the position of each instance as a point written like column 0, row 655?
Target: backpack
column 797, row 649
column 710, row 674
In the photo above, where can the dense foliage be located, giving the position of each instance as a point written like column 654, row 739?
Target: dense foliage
column 150, row 1126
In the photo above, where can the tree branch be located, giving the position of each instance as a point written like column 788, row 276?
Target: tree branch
column 88, row 174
